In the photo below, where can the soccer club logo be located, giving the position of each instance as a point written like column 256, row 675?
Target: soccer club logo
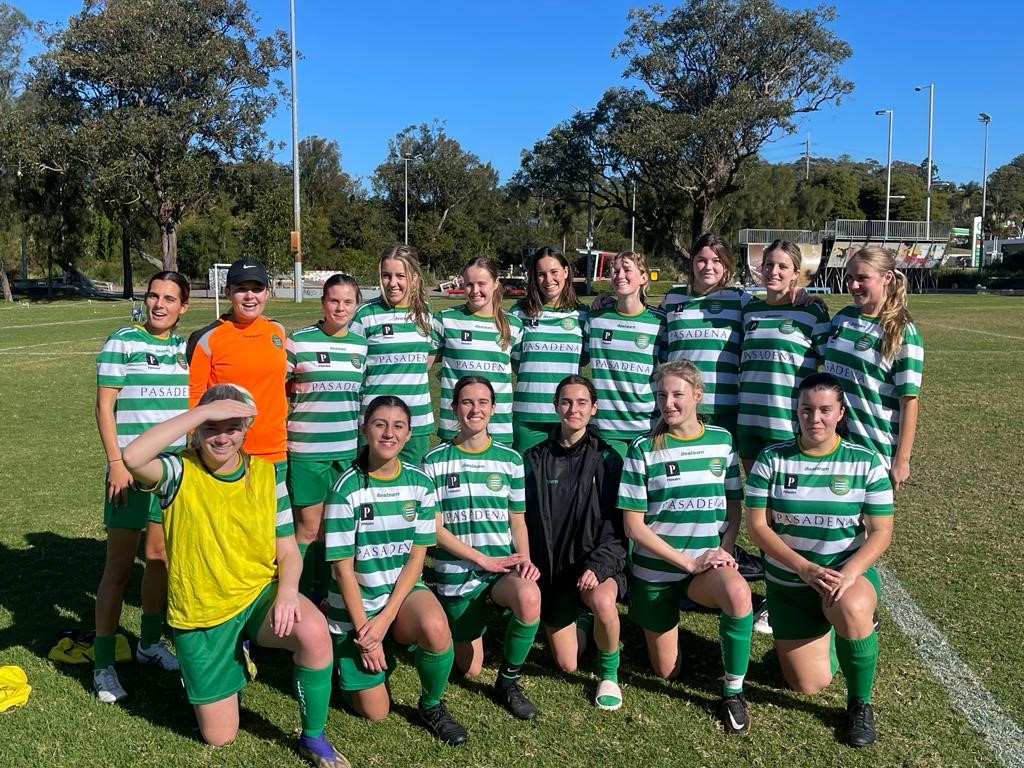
column 181, row 361
column 494, row 482
column 151, row 360
column 671, row 469
column 790, row 483
column 276, row 341
column 357, row 361
column 466, row 336
column 387, row 329
column 786, row 326
column 606, row 335
column 716, row 466
column 714, row 307
column 864, row 343
column 840, row 485
column 409, row 511
column 642, row 341
column 568, row 323
column 323, row 358
column 452, row 482
column 366, row 513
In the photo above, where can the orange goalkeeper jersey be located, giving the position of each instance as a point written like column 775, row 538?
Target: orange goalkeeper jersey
column 250, row 355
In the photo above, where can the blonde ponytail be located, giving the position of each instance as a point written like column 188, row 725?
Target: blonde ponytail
column 893, row 315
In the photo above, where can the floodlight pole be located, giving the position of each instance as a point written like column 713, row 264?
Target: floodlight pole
column 986, row 119
column 888, row 173
column 632, row 221
column 928, row 192
column 297, row 236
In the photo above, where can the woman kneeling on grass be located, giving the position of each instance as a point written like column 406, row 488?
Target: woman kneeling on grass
column 576, row 537
column 820, row 508
column 681, row 496
column 379, row 520
column 233, row 567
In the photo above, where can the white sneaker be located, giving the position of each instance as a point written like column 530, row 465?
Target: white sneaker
column 108, row 687
column 761, row 623
column 158, row 654
column 609, row 696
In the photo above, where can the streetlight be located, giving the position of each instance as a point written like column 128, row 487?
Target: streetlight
column 406, row 159
column 928, row 192
column 985, row 118
column 888, row 174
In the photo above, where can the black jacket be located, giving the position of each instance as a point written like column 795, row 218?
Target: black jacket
column 593, row 537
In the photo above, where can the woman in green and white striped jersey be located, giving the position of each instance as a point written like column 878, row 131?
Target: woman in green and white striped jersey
column 552, row 345
column 324, row 376
column 680, row 495
column 400, row 345
column 483, row 550
column 820, row 508
column 622, row 342
column 782, row 344
column 876, row 351
column 379, row 521
column 478, row 338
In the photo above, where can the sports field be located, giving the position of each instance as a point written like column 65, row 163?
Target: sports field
column 957, row 591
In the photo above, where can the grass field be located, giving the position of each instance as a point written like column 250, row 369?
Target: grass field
column 956, row 552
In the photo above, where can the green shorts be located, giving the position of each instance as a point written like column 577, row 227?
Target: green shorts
column 750, row 441
column 655, row 605
column 526, row 434
column 414, row 450
column 212, row 665
column 310, row 481
column 724, row 418
column 467, row 614
column 281, row 471
column 795, row 612
column 140, row 508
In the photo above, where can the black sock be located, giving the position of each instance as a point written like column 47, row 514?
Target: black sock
column 507, row 674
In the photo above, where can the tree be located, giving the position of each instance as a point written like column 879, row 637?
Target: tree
column 1006, row 191
column 158, row 95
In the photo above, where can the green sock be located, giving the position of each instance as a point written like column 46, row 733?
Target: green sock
column 519, row 640
column 833, row 660
column 585, row 622
column 313, row 690
column 152, row 628
column 734, row 635
column 103, row 651
column 433, row 669
column 608, row 665
column 858, row 659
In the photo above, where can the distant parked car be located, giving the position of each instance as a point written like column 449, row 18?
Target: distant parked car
column 514, row 286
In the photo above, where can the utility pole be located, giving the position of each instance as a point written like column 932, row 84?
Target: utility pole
column 807, row 159
column 928, row 192
column 296, row 243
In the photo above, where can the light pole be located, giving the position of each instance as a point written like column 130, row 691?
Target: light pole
column 297, row 232
column 888, row 173
column 632, row 221
column 985, row 118
column 928, row 192
column 406, row 159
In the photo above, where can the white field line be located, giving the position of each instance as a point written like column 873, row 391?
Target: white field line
column 971, row 330
column 49, row 344
column 44, row 354
column 1002, row 735
column 106, row 319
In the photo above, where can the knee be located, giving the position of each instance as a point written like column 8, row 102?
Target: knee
column 436, row 635
column 810, row 686
column 737, row 595
column 566, row 662
column 528, row 603
column 471, row 669
column 604, row 606
column 219, row 736
column 376, row 713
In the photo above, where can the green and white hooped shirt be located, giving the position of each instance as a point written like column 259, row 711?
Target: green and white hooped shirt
column 325, row 375
column 873, row 384
column 782, row 344
column 471, row 345
column 623, row 351
column 708, row 331
column 682, row 489
column 476, row 492
column 551, row 349
column 376, row 521
column 396, row 359
column 152, row 375
column 816, row 502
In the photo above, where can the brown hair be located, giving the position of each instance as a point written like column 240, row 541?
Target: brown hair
column 533, row 304
column 790, row 249
column 823, row 380
column 490, row 265
column 341, row 278
column 419, row 308
column 641, row 263
column 680, row 369
column 893, row 315
column 721, row 248
column 362, row 461
column 184, row 289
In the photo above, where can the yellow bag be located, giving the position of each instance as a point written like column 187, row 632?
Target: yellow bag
column 14, row 687
column 69, row 650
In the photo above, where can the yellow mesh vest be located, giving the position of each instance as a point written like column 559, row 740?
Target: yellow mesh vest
column 221, row 546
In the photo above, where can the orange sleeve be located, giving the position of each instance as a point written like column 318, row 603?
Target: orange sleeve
column 200, row 365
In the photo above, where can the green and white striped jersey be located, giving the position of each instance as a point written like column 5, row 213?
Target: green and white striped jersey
column 476, row 492
column 682, row 489
column 376, row 521
column 782, row 344
column 873, row 384
column 325, row 376
column 816, row 502
column 152, row 375
column 470, row 345
column 396, row 359
column 623, row 351
column 551, row 349
column 708, row 331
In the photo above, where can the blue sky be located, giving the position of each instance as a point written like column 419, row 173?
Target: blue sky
column 501, row 75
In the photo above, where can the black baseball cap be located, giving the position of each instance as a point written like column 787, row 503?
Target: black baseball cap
column 245, row 270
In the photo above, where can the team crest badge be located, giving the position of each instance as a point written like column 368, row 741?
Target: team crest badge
column 181, row 361
column 714, row 307
column 840, row 485
column 642, row 341
column 864, row 343
column 409, row 511
column 357, row 362
column 568, row 323
column 277, row 342
column 786, row 327
column 716, row 466
column 494, row 482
